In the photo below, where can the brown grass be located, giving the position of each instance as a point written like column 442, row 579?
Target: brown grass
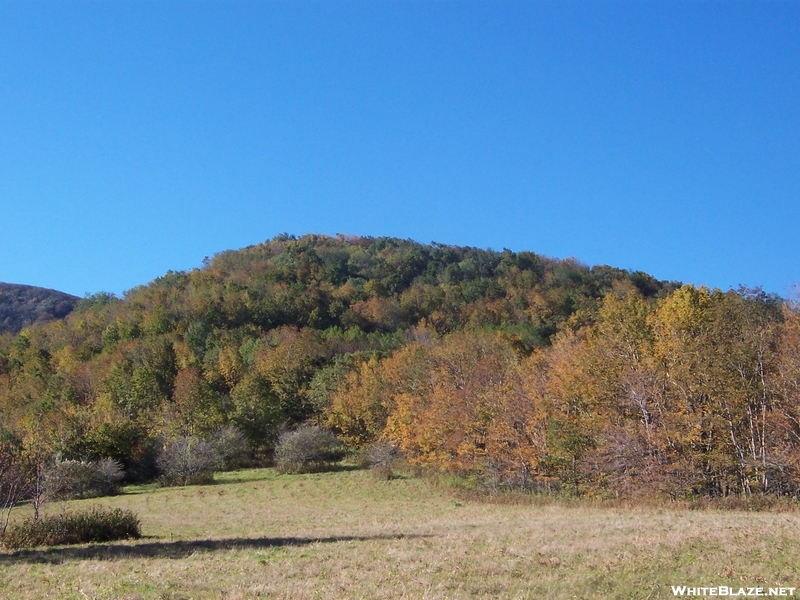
column 256, row 534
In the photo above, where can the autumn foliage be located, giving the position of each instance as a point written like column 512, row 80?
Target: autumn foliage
column 512, row 369
column 692, row 395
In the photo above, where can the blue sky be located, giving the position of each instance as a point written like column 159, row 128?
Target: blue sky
column 139, row 137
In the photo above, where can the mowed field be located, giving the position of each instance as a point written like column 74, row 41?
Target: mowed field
column 256, row 534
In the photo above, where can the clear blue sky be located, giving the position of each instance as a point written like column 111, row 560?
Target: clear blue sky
column 139, row 137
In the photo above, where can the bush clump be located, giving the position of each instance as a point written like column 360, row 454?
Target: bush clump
column 382, row 455
column 231, row 446
column 188, row 460
column 307, row 449
column 71, row 479
column 96, row 525
column 192, row 460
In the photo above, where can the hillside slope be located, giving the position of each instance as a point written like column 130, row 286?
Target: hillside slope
column 511, row 368
column 263, row 337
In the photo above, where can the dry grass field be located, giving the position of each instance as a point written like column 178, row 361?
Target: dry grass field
column 255, row 534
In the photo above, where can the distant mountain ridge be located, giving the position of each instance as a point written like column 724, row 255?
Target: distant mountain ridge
column 24, row 305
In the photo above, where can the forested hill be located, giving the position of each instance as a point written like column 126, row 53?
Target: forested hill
column 24, row 305
column 352, row 290
column 332, row 300
column 511, row 367
column 380, row 285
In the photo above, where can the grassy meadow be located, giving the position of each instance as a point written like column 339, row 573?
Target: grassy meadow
column 256, row 534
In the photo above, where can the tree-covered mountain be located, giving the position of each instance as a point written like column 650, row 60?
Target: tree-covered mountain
column 512, row 367
column 25, row 305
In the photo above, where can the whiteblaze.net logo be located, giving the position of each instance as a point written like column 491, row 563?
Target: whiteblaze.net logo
column 731, row 592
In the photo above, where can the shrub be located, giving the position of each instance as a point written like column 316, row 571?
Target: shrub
column 308, row 448
column 231, row 446
column 382, row 454
column 97, row 525
column 188, row 460
column 192, row 460
column 14, row 481
column 70, row 479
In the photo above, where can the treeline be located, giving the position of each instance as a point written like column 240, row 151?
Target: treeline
column 512, row 368
column 695, row 394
